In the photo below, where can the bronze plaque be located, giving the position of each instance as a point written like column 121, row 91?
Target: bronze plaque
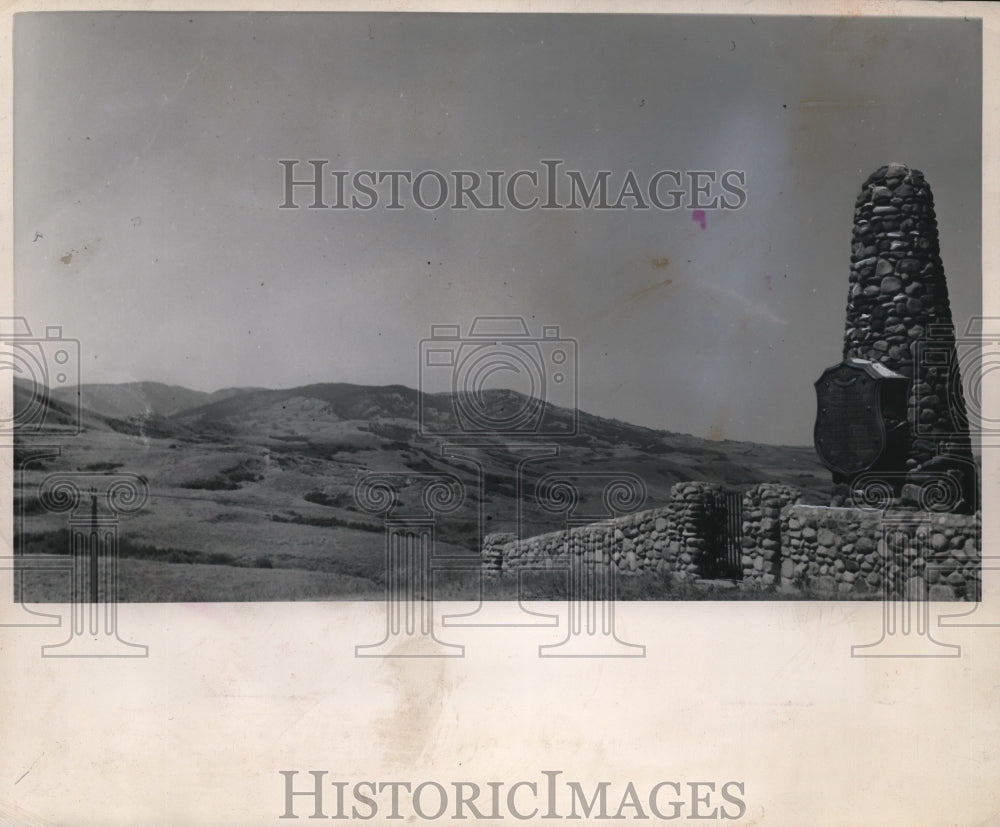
column 850, row 434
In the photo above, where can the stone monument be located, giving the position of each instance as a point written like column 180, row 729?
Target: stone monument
column 898, row 326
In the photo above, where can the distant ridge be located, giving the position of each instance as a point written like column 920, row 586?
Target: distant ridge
column 139, row 399
column 345, row 401
column 341, row 400
column 329, row 432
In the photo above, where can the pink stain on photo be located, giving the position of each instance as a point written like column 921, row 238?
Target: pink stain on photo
column 700, row 217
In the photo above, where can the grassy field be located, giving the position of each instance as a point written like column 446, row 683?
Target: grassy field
column 252, row 497
column 151, row 581
column 157, row 580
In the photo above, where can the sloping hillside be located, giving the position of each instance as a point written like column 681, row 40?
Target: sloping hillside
column 266, row 478
column 138, row 399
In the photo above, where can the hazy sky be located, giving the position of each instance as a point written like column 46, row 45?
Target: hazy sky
column 147, row 187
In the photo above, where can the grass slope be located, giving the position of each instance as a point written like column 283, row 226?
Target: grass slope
column 269, row 475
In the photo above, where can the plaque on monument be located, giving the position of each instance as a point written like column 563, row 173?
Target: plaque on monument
column 860, row 414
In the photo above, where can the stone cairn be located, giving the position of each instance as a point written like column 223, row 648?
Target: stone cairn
column 898, row 311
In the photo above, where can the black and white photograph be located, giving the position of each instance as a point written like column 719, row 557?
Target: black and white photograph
column 633, row 314
column 412, row 351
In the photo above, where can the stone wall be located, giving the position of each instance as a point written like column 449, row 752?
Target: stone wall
column 696, row 521
column 907, row 555
column 787, row 546
column 634, row 544
column 762, row 507
column 493, row 551
column 675, row 538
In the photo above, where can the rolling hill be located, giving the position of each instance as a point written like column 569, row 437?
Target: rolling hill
column 135, row 399
column 265, row 478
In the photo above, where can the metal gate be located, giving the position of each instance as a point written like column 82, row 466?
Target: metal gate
column 724, row 555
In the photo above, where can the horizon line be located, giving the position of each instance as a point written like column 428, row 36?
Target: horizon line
column 250, row 388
